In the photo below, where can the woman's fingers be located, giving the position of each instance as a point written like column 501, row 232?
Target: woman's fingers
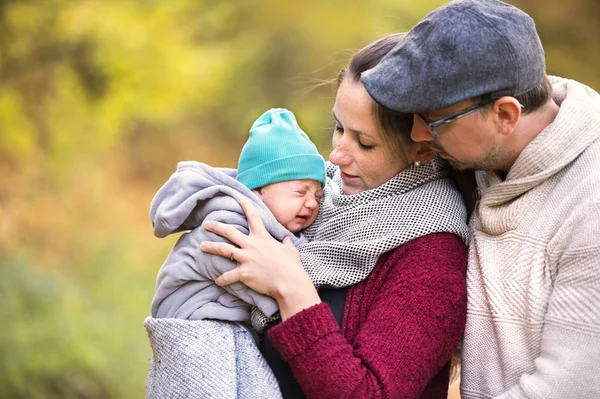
column 255, row 223
column 287, row 241
column 259, row 256
column 228, row 251
column 221, row 248
column 229, row 277
column 226, row 231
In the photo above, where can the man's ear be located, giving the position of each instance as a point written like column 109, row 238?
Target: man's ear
column 507, row 111
column 423, row 153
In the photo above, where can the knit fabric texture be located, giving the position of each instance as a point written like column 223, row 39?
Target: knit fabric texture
column 352, row 231
column 399, row 328
column 278, row 150
column 206, row 359
column 533, row 323
column 461, row 50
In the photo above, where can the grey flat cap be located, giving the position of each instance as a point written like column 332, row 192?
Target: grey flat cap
column 461, row 50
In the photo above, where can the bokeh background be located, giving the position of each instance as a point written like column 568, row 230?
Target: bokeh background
column 99, row 100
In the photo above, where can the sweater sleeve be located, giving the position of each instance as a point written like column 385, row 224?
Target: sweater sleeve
column 568, row 364
column 400, row 326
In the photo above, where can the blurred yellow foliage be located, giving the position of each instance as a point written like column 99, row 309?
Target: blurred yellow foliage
column 18, row 138
column 98, row 102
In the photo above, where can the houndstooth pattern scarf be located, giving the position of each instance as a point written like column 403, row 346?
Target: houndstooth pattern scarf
column 351, row 232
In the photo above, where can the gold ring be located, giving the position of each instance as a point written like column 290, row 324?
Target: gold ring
column 232, row 253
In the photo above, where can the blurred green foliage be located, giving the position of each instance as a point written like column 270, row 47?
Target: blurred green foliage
column 98, row 102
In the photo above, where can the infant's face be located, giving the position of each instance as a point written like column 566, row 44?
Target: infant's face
column 294, row 203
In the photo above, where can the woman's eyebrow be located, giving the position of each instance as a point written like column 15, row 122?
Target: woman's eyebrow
column 358, row 132
column 335, row 117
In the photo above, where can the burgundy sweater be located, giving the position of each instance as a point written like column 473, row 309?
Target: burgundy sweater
column 399, row 328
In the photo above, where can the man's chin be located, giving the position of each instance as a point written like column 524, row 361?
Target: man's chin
column 458, row 165
column 462, row 167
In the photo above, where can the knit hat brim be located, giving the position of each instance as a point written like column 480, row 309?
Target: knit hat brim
column 295, row 167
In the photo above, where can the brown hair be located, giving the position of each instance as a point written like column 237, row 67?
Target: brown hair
column 531, row 100
column 395, row 126
column 537, row 97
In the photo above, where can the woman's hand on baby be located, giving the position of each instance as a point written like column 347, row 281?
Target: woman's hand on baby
column 258, row 269
column 263, row 263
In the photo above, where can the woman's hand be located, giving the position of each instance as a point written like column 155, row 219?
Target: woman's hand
column 263, row 263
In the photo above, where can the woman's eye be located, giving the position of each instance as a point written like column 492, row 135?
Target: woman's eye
column 365, row 147
column 338, row 128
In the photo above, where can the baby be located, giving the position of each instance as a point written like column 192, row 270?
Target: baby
column 283, row 168
column 281, row 171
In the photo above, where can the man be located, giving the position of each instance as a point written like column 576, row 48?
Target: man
column 473, row 74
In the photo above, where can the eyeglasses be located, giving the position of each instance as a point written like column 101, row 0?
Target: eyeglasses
column 452, row 117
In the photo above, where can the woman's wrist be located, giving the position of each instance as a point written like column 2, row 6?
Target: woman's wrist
column 296, row 296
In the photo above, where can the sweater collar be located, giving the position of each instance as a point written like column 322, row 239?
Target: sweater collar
column 575, row 128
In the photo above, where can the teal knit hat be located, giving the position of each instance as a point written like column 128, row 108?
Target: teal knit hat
column 278, row 150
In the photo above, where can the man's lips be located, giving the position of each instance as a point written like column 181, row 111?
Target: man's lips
column 442, row 154
column 439, row 152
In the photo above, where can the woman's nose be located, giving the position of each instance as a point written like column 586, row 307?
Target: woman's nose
column 339, row 156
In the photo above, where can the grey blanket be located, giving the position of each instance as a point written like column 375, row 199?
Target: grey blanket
column 185, row 287
column 206, row 359
column 198, row 352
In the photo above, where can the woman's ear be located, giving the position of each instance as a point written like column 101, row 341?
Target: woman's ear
column 422, row 153
column 507, row 111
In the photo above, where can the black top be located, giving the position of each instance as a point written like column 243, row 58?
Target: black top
column 290, row 389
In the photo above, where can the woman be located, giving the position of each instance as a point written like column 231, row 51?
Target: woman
column 390, row 246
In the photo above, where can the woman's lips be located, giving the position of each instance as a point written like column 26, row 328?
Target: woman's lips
column 348, row 178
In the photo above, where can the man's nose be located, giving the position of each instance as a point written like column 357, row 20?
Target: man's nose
column 420, row 131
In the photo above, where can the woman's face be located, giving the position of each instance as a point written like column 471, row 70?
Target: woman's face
column 363, row 155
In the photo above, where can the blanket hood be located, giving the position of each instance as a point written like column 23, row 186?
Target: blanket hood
column 194, row 191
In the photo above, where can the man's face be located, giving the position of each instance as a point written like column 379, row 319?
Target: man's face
column 294, row 203
column 468, row 142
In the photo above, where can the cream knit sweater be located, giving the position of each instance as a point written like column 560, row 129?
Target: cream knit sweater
column 533, row 321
